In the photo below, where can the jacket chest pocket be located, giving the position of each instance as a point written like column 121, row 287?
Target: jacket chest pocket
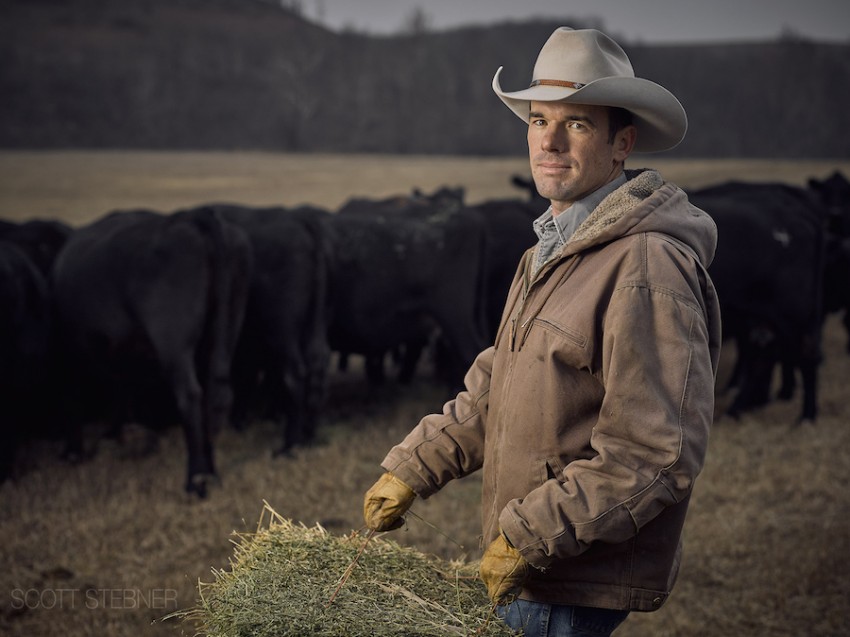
column 554, row 343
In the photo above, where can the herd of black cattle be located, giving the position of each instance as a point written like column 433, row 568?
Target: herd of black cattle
column 223, row 313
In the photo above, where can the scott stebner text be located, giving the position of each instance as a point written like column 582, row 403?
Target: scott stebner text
column 93, row 598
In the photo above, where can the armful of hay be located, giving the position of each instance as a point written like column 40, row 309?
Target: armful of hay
column 282, row 576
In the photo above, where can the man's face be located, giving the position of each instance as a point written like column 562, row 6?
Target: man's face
column 569, row 150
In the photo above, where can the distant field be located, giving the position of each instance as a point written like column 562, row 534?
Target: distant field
column 108, row 546
column 79, row 186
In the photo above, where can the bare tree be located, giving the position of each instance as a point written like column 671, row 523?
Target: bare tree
column 417, row 22
column 294, row 6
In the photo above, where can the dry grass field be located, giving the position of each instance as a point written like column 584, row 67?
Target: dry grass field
column 108, row 547
column 79, row 186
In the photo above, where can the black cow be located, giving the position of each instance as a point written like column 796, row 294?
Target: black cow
column 149, row 306
column 24, row 349
column 403, row 268
column 26, row 353
column 282, row 357
column 507, row 226
column 509, row 231
column 768, row 271
column 527, row 185
column 442, row 200
column 834, row 195
column 40, row 239
column 406, row 353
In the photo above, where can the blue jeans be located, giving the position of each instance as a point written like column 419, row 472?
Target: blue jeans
column 554, row 620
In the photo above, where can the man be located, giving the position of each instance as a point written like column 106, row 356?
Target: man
column 590, row 414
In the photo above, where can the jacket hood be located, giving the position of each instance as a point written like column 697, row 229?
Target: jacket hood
column 646, row 203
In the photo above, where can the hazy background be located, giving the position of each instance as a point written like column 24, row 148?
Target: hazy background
column 650, row 21
column 758, row 79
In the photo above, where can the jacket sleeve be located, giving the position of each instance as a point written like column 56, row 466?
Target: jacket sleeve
column 449, row 445
column 650, row 438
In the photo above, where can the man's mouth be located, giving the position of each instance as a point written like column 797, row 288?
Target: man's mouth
column 552, row 167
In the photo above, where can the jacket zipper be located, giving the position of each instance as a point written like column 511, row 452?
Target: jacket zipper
column 528, row 284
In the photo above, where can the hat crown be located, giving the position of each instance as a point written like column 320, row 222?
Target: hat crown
column 583, row 55
column 585, row 66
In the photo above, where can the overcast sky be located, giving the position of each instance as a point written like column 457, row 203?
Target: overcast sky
column 636, row 20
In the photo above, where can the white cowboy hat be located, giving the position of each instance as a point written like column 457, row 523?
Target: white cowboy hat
column 585, row 66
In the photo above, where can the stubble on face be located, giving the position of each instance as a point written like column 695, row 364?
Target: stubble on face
column 569, row 151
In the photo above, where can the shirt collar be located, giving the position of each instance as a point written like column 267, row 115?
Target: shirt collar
column 568, row 221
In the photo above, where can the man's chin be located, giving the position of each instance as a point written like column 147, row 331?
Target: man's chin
column 548, row 191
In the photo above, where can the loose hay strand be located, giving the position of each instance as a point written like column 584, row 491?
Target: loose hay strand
column 350, row 568
column 281, row 576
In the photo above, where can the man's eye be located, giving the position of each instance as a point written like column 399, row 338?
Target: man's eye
column 575, row 125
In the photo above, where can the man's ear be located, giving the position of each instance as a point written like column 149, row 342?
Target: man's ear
column 624, row 142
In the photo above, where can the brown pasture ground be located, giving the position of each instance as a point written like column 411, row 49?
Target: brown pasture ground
column 109, row 546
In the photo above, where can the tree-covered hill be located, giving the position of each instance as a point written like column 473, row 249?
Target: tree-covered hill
column 222, row 74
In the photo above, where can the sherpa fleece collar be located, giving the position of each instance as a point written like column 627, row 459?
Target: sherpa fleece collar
column 640, row 184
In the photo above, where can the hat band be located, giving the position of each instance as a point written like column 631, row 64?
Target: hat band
column 563, row 83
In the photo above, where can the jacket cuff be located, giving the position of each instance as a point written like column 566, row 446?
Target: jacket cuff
column 517, row 535
column 407, row 475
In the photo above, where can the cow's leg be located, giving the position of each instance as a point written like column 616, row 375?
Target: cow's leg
column 285, row 385
column 189, row 397
column 809, row 364
column 317, row 357
column 737, row 372
column 246, row 383
column 75, row 395
column 217, row 395
column 294, row 382
column 303, row 384
column 375, row 368
column 410, row 356
column 846, row 322
column 754, row 369
column 809, row 373
column 789, row 380
column 342, row 361
column 177, row 356
column 316, row 393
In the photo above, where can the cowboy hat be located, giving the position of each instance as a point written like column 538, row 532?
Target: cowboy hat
column 585, row 66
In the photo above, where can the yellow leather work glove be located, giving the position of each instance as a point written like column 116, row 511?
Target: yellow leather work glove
column 503, row 570
column 385, row 503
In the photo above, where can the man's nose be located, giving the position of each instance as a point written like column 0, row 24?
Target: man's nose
column 554, row 139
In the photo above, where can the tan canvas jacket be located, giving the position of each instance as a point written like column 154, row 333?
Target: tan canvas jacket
column 590, row 415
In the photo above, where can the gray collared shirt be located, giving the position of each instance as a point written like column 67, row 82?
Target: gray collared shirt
column 553, row 232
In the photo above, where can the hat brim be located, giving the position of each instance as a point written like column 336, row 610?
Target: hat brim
column 659, row 117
